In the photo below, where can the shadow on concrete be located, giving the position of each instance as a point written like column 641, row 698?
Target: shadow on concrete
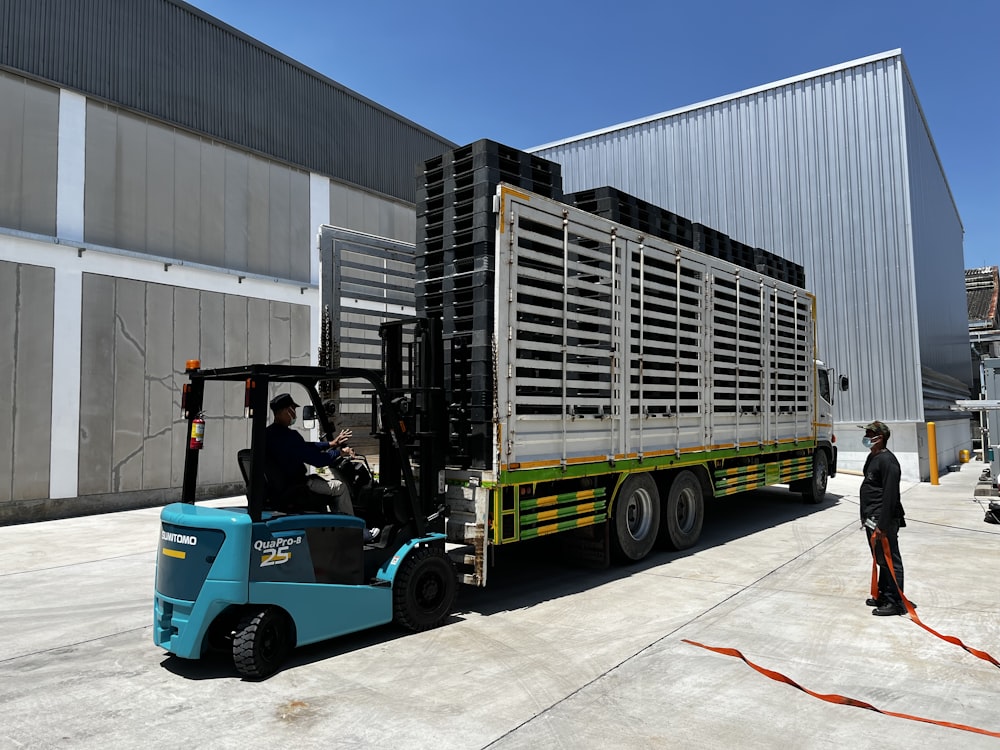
column 529, row 573
column 539, row 570
column 219, row 665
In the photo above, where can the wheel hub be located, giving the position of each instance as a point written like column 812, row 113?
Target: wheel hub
column 639, row 514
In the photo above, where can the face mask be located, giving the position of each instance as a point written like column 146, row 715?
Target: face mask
column 292, row 423
column 868, row 442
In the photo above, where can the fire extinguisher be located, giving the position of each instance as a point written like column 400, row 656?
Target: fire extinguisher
column 197, row 433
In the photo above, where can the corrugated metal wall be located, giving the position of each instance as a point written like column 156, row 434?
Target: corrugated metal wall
column 938, row 258
column 815, row 170
column 176, row 63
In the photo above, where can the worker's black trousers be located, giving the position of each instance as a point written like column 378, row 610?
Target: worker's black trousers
column 886, row 585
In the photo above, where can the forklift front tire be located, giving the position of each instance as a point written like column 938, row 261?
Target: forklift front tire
column 261, row 642
column 424, row 589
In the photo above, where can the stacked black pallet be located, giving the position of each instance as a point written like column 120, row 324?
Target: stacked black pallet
column 715, row 243
column 456, row 227
column 779, row 268
column 622, row 208
column 625, row 209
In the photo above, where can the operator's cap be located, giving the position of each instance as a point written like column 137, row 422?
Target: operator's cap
column 879, row 428
column 282, row 401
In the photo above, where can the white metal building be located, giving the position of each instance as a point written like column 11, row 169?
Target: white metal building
column 835, row 170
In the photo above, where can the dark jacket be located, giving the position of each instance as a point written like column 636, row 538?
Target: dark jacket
column 287, row 455
column 880, row 490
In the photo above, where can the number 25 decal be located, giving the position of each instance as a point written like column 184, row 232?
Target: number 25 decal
column 275, row 556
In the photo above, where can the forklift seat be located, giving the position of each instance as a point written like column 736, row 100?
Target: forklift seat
column 244, row 456
column 298, row 499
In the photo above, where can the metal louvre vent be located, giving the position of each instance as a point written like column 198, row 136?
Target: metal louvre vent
column 666, row 303
column 614, row 344
column 563, row 296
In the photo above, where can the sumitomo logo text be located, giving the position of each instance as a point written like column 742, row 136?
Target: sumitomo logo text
column 170, row 536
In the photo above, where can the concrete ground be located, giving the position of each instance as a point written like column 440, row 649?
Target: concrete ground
column 550, row 655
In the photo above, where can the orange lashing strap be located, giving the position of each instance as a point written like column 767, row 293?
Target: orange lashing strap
column 839, row 699
column 878, row 536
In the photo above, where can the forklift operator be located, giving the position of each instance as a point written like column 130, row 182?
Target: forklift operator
column 287, row 456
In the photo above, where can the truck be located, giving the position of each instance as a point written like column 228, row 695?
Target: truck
column 560, row 373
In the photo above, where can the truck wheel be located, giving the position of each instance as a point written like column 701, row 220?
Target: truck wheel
column 424, row 589
column 685, row 511
column 261, row 642
column 636, row 517
column 815, row 491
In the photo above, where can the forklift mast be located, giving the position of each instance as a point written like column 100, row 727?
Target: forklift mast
column 414, row 378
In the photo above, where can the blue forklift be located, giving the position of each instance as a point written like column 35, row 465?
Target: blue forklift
column 256, row 581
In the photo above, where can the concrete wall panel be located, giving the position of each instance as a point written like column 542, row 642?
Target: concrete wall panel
column 154, row 189
column 279, row 222
column 258, row 212
column 26, row 315
column 213, row 195
column 29, row 129
column 301, row 340
column 213, row 354
column 236, row 432
column 160, row 412
column 187, row 346
column 11, row 148
column 338, row 204
column 237, row 217
column 258, row 330
column 185, row 222
column 361, row 211
column 100, row 210
column 355, row 211
column 32, row 391
column 41, row 136
column 129, row 405
column 8, row 363
column 96, row 384
column 130, row 184
column 302, row 236
column 161, row 179
column 279, row 325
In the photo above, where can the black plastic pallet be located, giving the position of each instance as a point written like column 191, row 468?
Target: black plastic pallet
column 493, row 154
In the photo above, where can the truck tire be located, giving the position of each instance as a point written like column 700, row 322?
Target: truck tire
column 261, row 642
column 424, row 589
column 636, row 517
column 815, row 490
column 685, row 511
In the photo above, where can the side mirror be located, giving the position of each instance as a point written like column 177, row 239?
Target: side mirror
column 309, row 416
column 844, row 382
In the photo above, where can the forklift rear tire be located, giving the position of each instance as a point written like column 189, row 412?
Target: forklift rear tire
column 261, row 642
column 424, row 589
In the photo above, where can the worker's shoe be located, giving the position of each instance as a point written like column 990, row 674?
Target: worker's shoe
column 372, row 534
column 888, row 609
column 871, row 602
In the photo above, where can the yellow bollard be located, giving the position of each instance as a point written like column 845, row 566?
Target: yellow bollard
column 932, row 450
column 963, row 456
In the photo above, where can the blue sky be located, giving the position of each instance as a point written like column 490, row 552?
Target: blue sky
column 527, row 73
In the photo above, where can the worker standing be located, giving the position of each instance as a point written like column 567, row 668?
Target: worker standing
column 882, row 516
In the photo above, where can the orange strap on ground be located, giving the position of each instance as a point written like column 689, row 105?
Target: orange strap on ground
column 879, row 536
column 840, row 699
